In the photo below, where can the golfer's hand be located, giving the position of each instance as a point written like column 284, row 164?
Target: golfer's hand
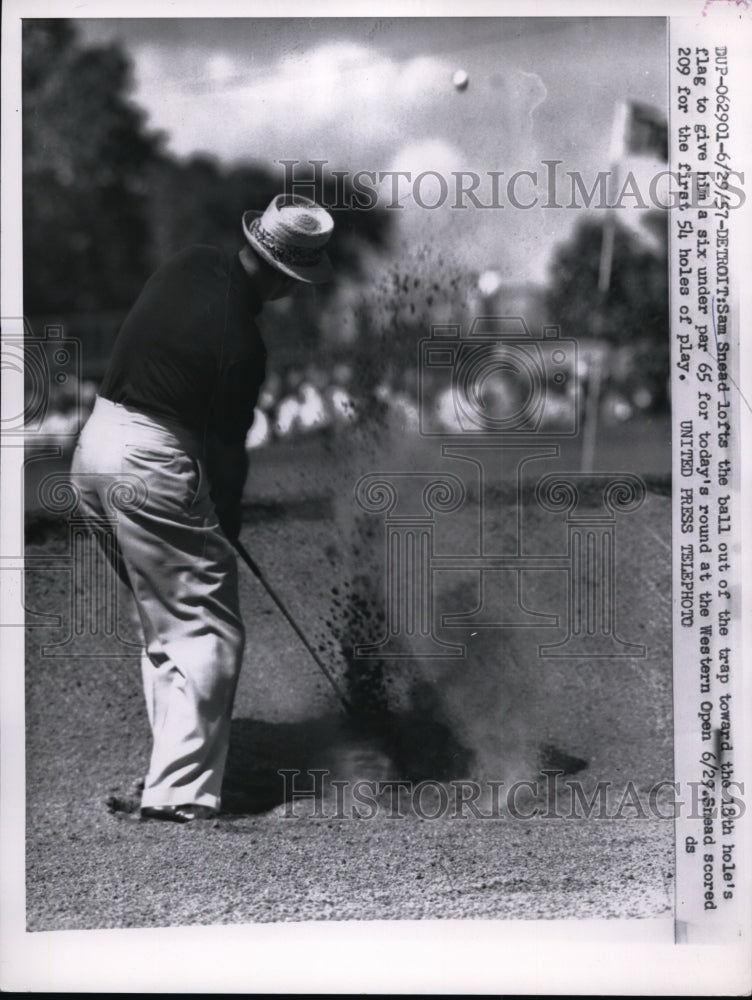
column 231, row 521
column 227, row 467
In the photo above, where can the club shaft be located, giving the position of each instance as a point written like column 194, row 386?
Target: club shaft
column 256, row 570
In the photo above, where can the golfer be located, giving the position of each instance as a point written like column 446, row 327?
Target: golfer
column 174, row 410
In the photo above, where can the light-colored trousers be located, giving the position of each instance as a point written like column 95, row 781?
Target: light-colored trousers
column 182, row 572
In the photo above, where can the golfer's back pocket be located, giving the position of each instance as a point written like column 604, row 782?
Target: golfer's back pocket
column 174, row 480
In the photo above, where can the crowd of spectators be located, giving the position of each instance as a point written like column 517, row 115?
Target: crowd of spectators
column 301, row 400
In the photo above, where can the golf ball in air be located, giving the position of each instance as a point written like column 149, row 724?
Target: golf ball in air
column 489, row 283
column 460, row 80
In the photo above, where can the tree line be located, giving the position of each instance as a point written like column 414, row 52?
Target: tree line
column 104, row 201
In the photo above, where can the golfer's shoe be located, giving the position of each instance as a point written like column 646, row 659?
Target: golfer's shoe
column 178, row 814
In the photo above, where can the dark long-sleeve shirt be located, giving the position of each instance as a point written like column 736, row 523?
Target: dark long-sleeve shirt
column 189, row 348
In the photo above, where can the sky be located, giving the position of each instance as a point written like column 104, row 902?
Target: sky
column 377, row 95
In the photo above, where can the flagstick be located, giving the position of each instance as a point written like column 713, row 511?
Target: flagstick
column 595, row 375
column 628, row 136
column 605, row 267
column 592, row 408
column 607, row 255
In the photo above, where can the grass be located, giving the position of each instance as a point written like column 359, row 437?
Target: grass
column 500, row 712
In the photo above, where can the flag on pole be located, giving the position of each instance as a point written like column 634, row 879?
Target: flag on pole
column 648, row 131
column 638, row 130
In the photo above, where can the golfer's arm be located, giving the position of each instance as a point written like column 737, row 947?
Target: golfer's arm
column 227, row 428
column 227, row 468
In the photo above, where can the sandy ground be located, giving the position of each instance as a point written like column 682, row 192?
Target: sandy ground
column 499, row 714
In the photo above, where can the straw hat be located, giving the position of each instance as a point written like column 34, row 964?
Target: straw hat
column 291, row 235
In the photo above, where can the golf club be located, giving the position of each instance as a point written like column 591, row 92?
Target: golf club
column 256, row 570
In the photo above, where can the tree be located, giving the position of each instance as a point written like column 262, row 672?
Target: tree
column 86, row 153
column 105, row 204
column 633, row 313
column 200, row 200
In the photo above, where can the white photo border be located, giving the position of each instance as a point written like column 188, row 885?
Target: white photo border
column 590, row 957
